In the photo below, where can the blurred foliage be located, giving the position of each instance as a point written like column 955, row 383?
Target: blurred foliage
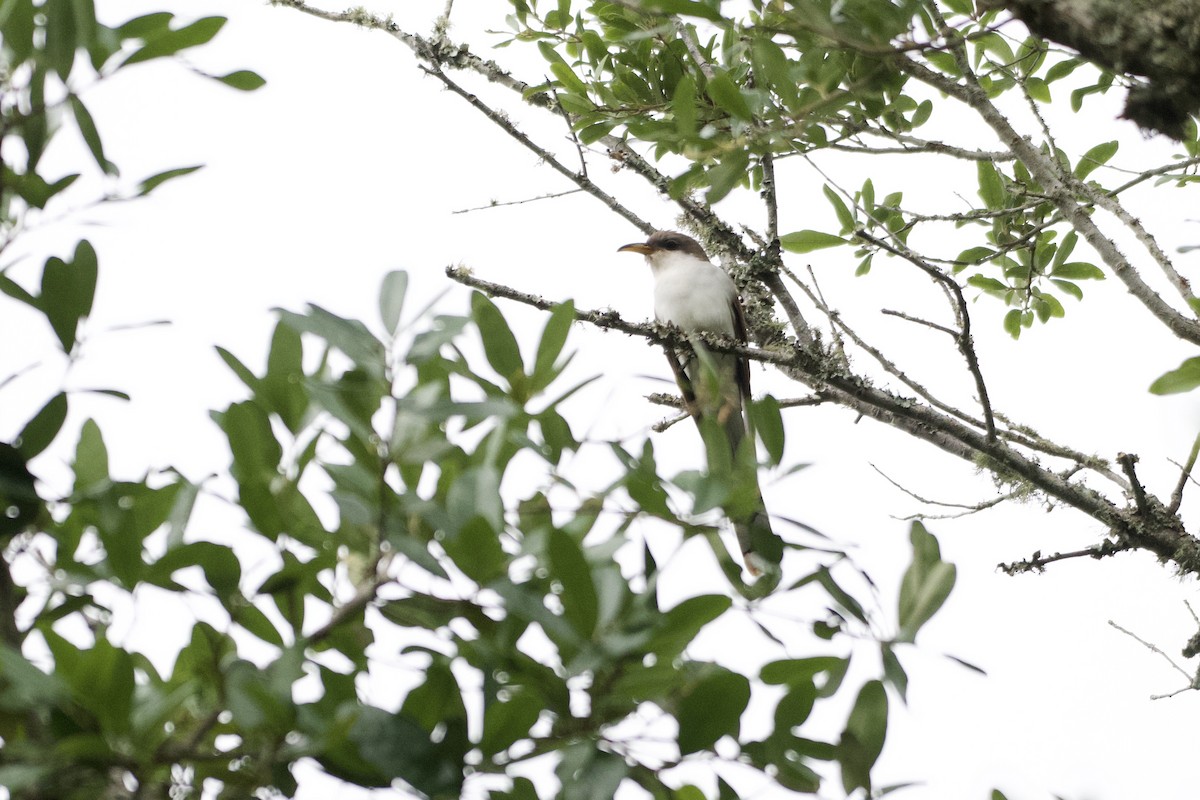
column 391, row 475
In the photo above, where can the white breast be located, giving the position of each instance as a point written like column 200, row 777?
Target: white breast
column 693, row 294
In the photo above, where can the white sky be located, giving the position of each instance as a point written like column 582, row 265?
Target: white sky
column 349, row 164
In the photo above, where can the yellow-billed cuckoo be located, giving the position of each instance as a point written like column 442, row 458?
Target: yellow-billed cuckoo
column 694, row 294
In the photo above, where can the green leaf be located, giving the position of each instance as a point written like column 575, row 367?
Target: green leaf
column 40, row 431
column 711, row 708
column 506, row 723
column 806, row 241
column 771, row 66
column 91, row 136
column 499, row 343
column 243, row 80
column 725, row 93
column 1096, row 157
column 729, row 173
column 151, row 183
column 569, row 80
column 61, row 36
column 391, row 299
column 67, row 292
column 161, row 41
column 91, row 459
column 845, row 218
column 550, row 346
column 568, row 565
column 1038, row 90
column 926, row 585
column 1183, row 379
column 893, row 671
column 1013, row 321
column 679, row 626
column 350, row 336
column 683, row 106
column 19, row 501
column 991, row 185
column 1078, row 271
column 862, row 740
column 768, row 424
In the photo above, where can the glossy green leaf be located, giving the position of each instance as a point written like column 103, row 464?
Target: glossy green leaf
column 806, row 241
column 683, row 106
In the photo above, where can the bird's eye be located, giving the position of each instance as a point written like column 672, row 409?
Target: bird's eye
column 670, row 244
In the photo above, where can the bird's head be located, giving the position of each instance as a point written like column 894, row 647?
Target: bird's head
column 663, row 245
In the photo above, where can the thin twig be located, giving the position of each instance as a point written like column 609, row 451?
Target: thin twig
column 1185, row 475
column 503, row 203
column 966, row 344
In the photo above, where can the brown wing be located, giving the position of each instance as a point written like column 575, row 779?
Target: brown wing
column 739, row 333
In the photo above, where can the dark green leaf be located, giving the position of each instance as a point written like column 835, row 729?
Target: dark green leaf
column 712, row 708
column 67, row 292
column 862, row 740
column 845, row 218
column 161, row 41
column 91, row 136
column 506, row 723
column 570, row 568
column 926, row 585
column 40, row 431
column 768, row 424
column 19, row 501
column 151, row 183
column 679, row 626
column 243, row 80
column 350, row 336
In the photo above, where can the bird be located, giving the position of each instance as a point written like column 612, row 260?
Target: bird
column 696, row 295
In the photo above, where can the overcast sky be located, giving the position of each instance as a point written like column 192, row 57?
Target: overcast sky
column 350, row 163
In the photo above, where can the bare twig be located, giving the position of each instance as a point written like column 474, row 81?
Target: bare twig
column 1037, row 562
column 962, row 338
column 503, row 203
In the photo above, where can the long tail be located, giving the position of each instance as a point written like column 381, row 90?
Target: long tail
column 754, row 533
